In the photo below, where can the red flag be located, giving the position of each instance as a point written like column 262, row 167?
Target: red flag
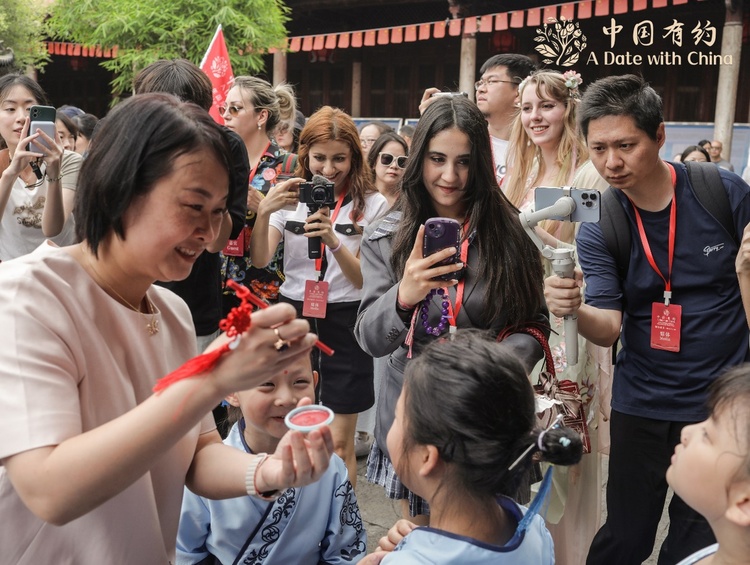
column 217, row 66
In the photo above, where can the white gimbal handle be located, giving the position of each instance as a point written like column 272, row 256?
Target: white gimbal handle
column 562, row 261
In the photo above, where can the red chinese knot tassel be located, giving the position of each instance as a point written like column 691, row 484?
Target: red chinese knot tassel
column 235, row 324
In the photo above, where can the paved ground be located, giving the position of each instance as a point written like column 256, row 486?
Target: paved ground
column 379, row 513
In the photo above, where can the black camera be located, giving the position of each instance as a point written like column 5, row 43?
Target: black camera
column 316, row 194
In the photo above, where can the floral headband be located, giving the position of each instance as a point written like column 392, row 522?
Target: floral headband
column 572, row 80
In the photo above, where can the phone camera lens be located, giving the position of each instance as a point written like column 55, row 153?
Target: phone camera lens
column 584, row 196
column 593, row 196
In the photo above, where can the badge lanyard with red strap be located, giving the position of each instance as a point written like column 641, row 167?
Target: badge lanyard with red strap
column 236, row 247
column 666, row 318
column 316, row 291
column 453, row 311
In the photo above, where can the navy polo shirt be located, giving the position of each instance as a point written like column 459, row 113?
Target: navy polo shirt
column 659, row 384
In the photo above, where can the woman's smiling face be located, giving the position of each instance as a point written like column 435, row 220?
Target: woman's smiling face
column 331, row 159
column 542, row 116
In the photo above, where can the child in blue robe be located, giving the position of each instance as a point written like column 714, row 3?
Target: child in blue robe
column 319, row 523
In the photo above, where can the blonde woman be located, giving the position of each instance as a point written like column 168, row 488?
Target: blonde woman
column 253, row 110
column 548, row 150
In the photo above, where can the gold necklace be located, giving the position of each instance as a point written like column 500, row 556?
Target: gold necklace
column 152, row 326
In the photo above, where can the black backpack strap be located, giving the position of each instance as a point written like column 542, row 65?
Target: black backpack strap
column 616, row 231
column 710, row 191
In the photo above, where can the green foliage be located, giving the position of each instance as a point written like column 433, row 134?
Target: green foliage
column 147, row 30
column 22, row 29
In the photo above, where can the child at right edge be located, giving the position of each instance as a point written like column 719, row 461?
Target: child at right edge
column 710, row 470
column 317, row 524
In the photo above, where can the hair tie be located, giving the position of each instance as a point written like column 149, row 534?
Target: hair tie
column 538, row 443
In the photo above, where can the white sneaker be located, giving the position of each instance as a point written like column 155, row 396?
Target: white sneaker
column 362, row 444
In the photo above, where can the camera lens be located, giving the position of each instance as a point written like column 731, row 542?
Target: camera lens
column 584, row 196
column 593, row 196
column 318, row 194
column 436, row 229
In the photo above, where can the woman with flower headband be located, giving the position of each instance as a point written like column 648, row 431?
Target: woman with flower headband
column 548, row 150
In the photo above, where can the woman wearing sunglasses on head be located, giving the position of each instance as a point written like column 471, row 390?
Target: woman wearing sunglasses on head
column 253, row 109
column 387, row 159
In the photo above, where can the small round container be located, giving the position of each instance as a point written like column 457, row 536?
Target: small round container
column 308, row 418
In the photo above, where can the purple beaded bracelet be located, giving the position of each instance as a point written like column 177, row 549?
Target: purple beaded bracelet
column 443, row 324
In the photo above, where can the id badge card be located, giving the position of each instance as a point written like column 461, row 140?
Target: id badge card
column 665, row 326
column 316, row 299
column 235, row 247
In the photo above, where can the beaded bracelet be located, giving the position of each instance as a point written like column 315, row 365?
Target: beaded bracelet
column 55, row 179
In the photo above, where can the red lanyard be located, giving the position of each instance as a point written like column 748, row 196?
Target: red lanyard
column 339, row 202
column 672, row 230
column 453, row 312
column 255, row 168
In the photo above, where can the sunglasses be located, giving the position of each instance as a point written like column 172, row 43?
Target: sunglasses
column 386, row 159
column 233, row 110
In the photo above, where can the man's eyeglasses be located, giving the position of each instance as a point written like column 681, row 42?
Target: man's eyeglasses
column 233, row 110
column 386, row 159
column 717, row 147
column 490, row 81
column 367, row 142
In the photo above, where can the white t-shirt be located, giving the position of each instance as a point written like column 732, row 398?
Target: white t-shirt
column 298, row 267
column 499, row 151
column 72, row 360
column 21, row 223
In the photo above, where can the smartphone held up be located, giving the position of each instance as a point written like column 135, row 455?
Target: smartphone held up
column 42, row 118
column 439, row 234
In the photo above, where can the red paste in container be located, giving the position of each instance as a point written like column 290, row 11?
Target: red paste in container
column 309, row 418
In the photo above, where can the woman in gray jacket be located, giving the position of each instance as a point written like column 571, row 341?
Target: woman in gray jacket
column 497, row 283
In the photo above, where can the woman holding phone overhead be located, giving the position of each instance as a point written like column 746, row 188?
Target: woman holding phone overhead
column 37, row 187
column 326, row 290
column 449, row 174
column 93, row 463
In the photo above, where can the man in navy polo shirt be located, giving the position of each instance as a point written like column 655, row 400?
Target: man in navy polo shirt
column 678, row 310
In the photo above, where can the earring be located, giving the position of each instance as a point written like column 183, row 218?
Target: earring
column 259, row 126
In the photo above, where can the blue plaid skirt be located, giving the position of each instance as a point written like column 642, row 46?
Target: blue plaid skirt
column 380, row 471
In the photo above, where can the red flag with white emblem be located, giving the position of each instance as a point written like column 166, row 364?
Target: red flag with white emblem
column 217, row 66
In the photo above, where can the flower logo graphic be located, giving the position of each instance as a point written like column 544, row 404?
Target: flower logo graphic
column 219, row 67
column 561, row 42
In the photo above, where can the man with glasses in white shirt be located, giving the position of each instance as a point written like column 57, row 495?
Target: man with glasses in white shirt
column 496, row 93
